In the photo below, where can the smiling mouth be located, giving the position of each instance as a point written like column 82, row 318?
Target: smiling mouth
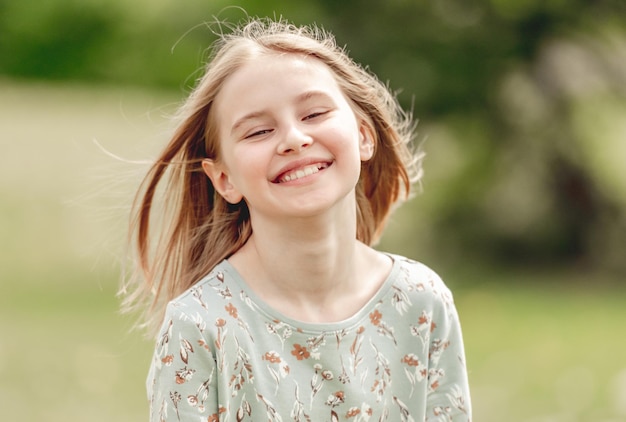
column 301, row 172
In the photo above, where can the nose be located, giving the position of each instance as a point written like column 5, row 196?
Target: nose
column 295, row 140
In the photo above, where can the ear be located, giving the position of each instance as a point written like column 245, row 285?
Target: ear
column 366, row 141
column 221, row 181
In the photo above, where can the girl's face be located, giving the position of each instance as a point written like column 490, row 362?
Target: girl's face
column 290, row 144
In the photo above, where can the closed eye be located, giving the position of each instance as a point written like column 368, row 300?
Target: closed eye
column 314, row 115
column 258, row 133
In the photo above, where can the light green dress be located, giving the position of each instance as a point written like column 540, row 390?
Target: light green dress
column 223, row 354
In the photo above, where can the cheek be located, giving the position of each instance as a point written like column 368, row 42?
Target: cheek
column 248, row 163
column 343, row 134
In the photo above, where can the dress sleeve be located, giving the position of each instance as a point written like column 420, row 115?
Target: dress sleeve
column 448, row 387
column 182, row 379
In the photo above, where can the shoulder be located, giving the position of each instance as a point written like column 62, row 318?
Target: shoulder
column 415, row 272
column 420, row 281
column 203, row 299
column 418, row 291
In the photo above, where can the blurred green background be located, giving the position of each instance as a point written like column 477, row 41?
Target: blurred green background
column 522, row 114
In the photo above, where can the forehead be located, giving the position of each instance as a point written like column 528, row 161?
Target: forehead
column 275, row 68
column 272, row 79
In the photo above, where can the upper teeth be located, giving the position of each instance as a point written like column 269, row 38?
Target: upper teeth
column 301, row 172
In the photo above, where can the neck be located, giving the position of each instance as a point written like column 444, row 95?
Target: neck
column 304, row 254
column 308, row 268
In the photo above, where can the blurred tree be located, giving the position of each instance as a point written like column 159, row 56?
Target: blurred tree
column 526, row 192
column 522, row 102
column 52, row 39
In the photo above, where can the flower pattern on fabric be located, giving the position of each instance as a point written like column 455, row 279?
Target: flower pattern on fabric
column 224, row 355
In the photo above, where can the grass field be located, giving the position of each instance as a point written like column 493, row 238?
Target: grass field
column 542, row 347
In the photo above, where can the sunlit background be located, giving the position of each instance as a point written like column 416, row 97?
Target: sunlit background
column 522, row 210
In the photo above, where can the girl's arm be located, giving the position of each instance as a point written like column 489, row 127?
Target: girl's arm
column 182, row 379
column 448, row 387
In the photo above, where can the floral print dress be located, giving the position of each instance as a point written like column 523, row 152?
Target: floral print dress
column 224, row 355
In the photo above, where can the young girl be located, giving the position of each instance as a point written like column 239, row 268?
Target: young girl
column 286, row 164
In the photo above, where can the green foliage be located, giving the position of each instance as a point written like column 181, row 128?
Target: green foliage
column 51, row 39
column 521, row 103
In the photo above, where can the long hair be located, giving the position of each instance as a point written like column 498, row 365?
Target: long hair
column 197, row 227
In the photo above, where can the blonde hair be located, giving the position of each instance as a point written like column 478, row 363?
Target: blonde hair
column 199, row 227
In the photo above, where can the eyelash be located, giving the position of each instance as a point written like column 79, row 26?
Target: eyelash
column 258, row 133
column 314, row 115
column 265, row 131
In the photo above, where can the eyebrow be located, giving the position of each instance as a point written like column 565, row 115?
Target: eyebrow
column 305, row 96
column 308, row 95
column 242, row 120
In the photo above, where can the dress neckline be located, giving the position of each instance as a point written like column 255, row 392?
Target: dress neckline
column 275, row 316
